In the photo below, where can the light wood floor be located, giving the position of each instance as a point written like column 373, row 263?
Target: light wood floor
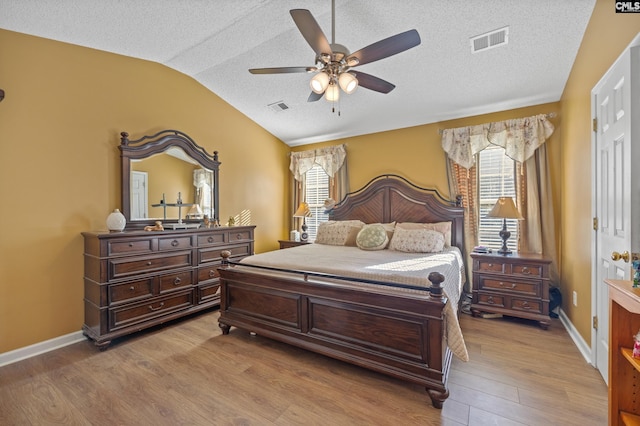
column 187, row 373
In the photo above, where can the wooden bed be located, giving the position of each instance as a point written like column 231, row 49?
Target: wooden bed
column 401, row 335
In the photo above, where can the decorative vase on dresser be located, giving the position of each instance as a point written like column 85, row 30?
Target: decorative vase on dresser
column 137, row 279
column 116, row 221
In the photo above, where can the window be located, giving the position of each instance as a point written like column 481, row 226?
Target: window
column 317, row 190
column 496, row 178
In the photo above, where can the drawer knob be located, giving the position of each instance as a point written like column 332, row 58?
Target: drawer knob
column 525, row 270
column 151, row 308
column 177, row 281
column 490, row 300
column 212, row 273
column 491, row 265
column 175, row 243
column 130, row 244
column 210, row 239
column 149, row 263
column 513, row 285
column 238, row 236
column 132, row 288
column 526, row 305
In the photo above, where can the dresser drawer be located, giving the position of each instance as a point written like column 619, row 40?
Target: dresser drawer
column 130, row 246
column 174, row 243
column 208, row 293
column 212, row 239
column 491, row 300
column 511, row 286
column 213, row 254
column 208, row 273
column 525, row 305
column 527, row 270
column 124, row 267
column 173, row 282
column 236, row 236
column 156, row 307
column 130, row 291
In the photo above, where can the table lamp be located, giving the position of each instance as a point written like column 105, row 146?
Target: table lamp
column 505, row 209
column 303, row 212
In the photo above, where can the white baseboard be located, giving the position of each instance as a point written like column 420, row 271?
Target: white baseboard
column 40, row 348
column 582, row 346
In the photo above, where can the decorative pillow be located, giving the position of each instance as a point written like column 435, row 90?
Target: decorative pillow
column 417, row 241
column 389, row 227
column 337, row 233
column 443, row 227
column 372, row 237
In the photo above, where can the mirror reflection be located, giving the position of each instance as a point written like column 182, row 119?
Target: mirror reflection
column 170, row 185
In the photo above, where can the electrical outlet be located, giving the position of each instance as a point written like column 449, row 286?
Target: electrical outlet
column 575, row 298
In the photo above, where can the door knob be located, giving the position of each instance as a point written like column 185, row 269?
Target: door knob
column 617, row 256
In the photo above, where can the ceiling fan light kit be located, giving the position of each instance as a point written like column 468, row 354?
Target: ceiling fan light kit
column 333, row 61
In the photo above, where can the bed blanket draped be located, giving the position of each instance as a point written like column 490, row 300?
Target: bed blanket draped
column 381, row 265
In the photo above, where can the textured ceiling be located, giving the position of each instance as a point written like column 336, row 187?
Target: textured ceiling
column 216, row 41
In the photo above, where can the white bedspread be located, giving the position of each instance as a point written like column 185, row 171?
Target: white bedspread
column 381, row 265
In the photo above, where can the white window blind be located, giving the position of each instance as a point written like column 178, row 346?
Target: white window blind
column 317, row 190
column 495, row 179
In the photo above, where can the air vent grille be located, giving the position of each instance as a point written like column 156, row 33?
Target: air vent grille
column 495, row 38
column 278, row 106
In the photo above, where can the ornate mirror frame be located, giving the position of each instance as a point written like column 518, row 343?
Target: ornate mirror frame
column 147, row 146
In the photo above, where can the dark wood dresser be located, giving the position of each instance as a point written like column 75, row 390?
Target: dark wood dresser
column 516, row 285
column 136, row 279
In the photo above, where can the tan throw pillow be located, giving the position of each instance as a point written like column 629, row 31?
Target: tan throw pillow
column 417, row 241
column 372, row 237
column 337, row 233
column 443, row 227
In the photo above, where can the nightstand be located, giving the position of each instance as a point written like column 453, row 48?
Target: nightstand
column 289, row 243
column 516, row 285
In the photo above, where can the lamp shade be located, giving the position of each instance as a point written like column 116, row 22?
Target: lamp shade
column 333, row 93
column 303, row 210
column 505, row 208
column 348, row 82
column 319, row 82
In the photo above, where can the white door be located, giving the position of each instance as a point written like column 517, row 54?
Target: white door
column 616, row 106
column 139, row 195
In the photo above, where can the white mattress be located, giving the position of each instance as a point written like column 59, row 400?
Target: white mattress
column 381, row 265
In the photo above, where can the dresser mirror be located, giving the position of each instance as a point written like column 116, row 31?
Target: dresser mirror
column 167, row 177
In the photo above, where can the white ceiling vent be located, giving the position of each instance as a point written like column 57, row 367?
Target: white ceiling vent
column 278, row 106
column 489, row 40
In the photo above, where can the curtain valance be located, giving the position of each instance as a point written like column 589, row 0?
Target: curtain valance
column 330, row 158
column 519, row 137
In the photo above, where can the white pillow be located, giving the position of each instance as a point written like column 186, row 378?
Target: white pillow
column 372, row 237
column 442, row 227
column 337, row 233
column 417, row 241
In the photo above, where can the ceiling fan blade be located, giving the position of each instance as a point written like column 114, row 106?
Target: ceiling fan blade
column 314, row 97
column 387, row 47
column 281, row 70
column 374, row 83
column 311, row 31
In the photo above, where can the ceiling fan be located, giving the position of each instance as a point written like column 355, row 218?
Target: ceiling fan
column 334, row 63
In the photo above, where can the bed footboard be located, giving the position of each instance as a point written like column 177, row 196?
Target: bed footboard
column 398, row 335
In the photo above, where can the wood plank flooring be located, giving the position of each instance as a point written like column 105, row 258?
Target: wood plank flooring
column 187, row 373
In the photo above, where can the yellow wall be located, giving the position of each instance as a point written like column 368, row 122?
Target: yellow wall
column 60, row 172
column 607, row 35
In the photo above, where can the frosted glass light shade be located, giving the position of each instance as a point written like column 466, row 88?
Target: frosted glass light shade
column 319, row 82
column 332, row 94
column 348, row 82
column 116, row 221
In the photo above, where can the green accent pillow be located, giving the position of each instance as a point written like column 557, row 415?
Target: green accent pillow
column 372, row 237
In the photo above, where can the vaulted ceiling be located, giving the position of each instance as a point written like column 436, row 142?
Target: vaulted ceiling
column 217, row 41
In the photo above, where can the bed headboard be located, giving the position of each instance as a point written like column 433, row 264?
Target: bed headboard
column 389, row 198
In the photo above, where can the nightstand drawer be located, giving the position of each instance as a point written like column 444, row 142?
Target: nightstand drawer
column 527, row 270
column 490, row 266
column 521, row 287
column 524, row 305
column 491, row 300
